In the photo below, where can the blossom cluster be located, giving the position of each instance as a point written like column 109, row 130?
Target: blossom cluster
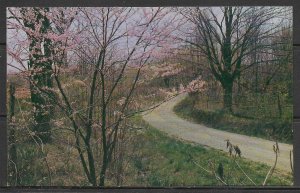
column 196, row 85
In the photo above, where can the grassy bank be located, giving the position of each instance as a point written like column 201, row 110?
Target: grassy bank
column 152, row 159
column 216, row 118
column 165, row 161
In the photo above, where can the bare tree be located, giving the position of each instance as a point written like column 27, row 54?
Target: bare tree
column 105, row 29
column 225, row 37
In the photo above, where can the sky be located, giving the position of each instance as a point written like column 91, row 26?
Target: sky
column 13, row 45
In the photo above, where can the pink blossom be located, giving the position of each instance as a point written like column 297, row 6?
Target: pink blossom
column 196, row 85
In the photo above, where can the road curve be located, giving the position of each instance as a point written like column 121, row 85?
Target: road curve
column 253, row 148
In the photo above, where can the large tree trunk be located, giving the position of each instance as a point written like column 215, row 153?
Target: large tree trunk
column 227, row 100
column 41, row 102
column 41, row 116
column 40, row 65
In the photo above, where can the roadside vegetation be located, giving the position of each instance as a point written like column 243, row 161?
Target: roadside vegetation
column 153, row 159
column 194, row 109
column 166, row 161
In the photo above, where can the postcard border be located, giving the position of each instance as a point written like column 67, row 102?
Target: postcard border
column 142, row 3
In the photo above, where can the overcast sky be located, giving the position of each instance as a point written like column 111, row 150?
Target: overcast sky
column 12, row 38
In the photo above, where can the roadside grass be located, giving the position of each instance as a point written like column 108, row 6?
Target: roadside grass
column 153, row 159
column 271, row 129
column 53, row 164
column 165, row 161
column 157, row 160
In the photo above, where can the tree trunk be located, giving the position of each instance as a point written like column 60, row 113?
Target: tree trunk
column 12, row 138
column 227, row 100
column 41, row 116
column 41, row 71
column 103, row 172
column 279, row 106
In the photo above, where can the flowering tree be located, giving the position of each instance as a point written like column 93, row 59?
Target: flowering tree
column 114, row 43
column 39, row 40
column 35, row 24
column 196, row 86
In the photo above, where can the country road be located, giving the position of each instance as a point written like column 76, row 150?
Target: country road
column 255, row 149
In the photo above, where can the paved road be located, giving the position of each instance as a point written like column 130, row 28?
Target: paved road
column 256, row 149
